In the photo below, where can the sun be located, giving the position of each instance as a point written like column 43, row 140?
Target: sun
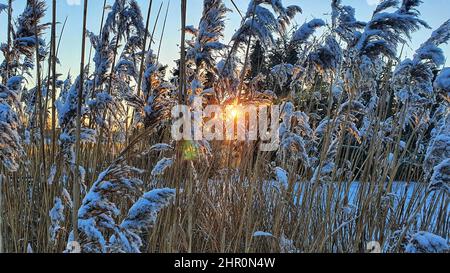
column 234, row 112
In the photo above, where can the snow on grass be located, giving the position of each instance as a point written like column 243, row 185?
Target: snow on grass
column 161, row 166
column 262, row 234
column 425, row 242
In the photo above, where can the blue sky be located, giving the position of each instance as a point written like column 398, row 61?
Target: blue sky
column 435, row 12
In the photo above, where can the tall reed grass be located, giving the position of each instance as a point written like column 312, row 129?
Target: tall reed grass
column 352, row 168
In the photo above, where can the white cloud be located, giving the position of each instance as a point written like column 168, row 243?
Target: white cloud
column 73, row 2
column 373, row 2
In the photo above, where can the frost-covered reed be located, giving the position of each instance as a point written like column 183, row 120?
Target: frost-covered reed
column 364, row 134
